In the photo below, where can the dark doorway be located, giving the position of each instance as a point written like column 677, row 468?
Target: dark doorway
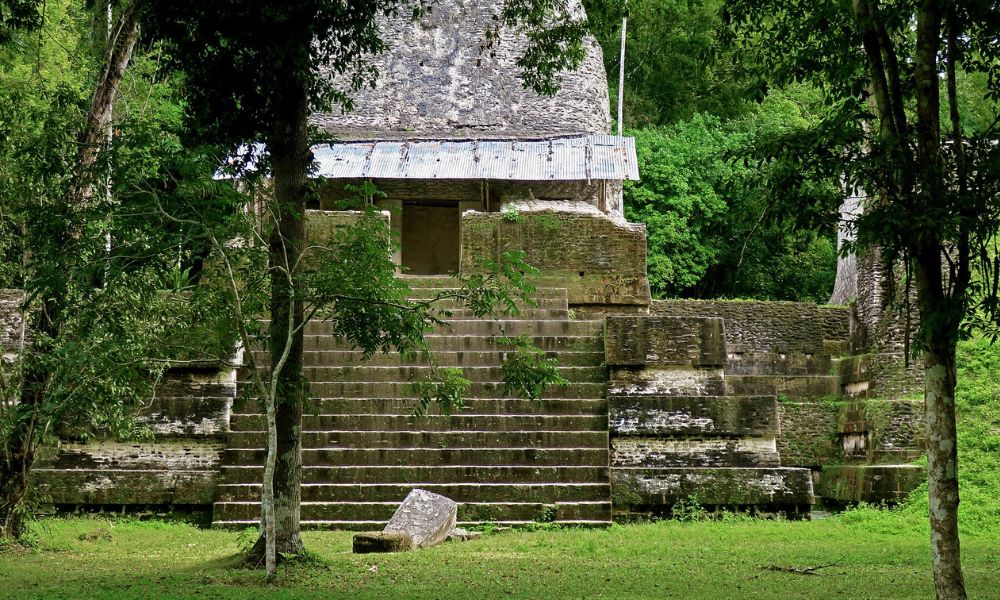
column 430, row 238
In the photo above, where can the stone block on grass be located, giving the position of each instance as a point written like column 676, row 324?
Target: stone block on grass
column 427, row 517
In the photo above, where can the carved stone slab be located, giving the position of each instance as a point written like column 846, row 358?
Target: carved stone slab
column 427, row 517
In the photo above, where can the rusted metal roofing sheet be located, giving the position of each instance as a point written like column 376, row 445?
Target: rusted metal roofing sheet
column 571, row 158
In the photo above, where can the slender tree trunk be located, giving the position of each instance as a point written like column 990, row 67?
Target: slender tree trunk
column 942, row 319
column 941, row 316
column 22, row 441
column 15, row 469
column 290, row 158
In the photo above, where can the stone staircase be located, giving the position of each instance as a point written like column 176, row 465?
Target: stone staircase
column 505, row 460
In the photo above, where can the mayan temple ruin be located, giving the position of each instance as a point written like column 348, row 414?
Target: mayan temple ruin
column 770, row 407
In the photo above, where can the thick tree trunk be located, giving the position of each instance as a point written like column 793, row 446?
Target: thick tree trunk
column 290, row 158
column 22, row 441
column 941, row 315
column 14, row 475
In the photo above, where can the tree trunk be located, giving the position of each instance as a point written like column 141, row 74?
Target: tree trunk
column 22, row 441
column 942, row 470
column 288, row 147
column 941, row 315
column 845, row 286
column 15, row 468
column 942, row 320
column 121, row 43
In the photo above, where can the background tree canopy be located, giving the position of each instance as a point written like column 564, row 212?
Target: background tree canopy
column 690, row 101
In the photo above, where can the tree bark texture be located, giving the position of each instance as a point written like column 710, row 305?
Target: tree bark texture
column 121, row 44
column 24, row 437
column 940, row 316
column 940, row 377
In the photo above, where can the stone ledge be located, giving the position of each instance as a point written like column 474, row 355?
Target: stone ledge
column 693, row 415
column 103, row 486
column 712, row 486
column 870, row 483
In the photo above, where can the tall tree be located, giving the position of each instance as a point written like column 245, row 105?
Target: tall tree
column 890, row 69
column 50, row 280
column 255, row 70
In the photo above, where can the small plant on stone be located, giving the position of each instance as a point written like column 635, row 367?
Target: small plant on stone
column 511, row 214
column 547, row 514
column 689, row 510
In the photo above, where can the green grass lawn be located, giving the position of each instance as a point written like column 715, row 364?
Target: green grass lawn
column 95, row 558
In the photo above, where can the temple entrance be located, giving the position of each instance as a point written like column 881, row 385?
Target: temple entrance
column 430, row 237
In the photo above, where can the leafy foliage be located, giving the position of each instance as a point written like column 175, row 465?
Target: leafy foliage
column 676, row 65
column 712, row 226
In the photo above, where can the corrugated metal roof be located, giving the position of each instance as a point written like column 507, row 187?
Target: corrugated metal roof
column 573, row 158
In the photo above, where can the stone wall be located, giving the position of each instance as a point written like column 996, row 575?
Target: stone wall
column 601, row 262
column 787, row 327
column 435, row 79
column 188, row 418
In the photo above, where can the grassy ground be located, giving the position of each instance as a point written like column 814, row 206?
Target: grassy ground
column 93, row 558
column 878, row 553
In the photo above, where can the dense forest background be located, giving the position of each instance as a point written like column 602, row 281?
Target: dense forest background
column 706, row 119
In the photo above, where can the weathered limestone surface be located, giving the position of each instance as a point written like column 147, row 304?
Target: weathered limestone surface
column 600, row 262
column 712, row 486
column 188, row 416
column 784, row 327
column 665, row 341
column 426, row 517
column 435, row 80
column 693, row 415
column 10, row 321
column 870, row 483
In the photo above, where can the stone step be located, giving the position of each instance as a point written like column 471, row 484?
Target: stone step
column 477, row 389
column 433, row 439
column 418, row 475
column 551, row 311
column 394, row 374
column 473, row 406
column 458, row 422
column 378, row 525
column 459, row 492
column 732, row 486
column 484, row 327
column 432, row 457
column 784, row 386
column 489, row 358
column 710, row 416
column 467, row 512
column 437, row 342
column 626, row 455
